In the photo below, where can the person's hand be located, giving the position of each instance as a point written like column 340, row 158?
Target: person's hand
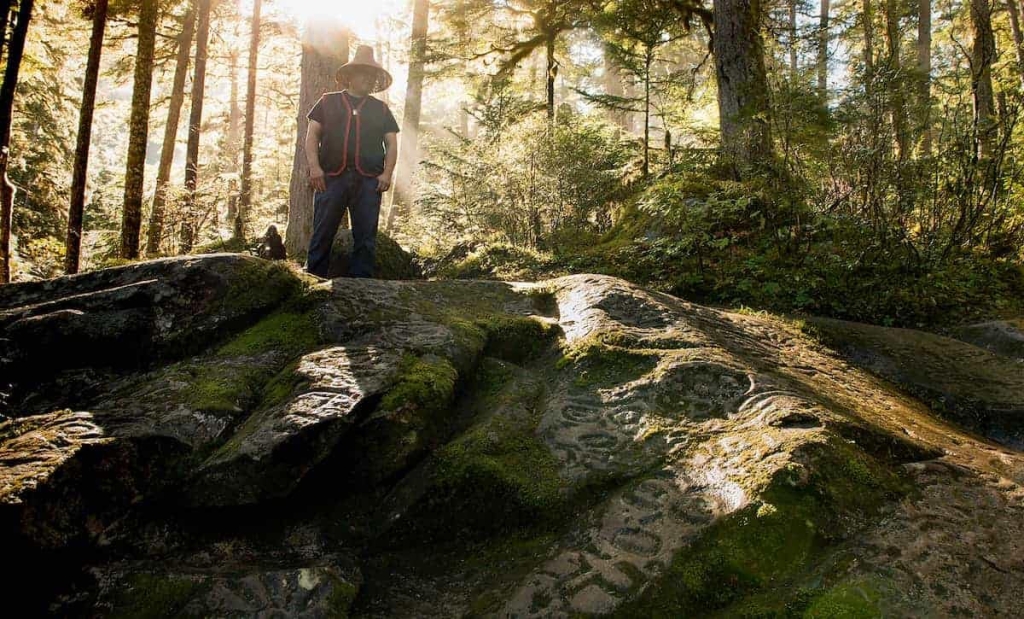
column 383, row 183
column 316, row 179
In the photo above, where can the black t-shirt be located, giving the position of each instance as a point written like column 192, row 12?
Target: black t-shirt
column 374, row 121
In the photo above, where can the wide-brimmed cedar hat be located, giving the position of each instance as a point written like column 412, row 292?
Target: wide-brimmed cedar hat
column 364, row 58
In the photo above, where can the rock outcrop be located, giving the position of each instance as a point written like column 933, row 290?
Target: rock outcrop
column 573, row 447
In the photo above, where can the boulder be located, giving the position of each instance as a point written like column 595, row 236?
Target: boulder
column 393, row 262
column 131, row 317
column 579, row 446
column 1002, row 337
column 977, row 388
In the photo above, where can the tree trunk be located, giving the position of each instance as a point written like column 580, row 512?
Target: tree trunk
column 5, row 15
column 1018, row 41
column 195, row 127
column 324, row 49
column 613, row 87
column 792, row 40
column 648, row 58
column 234, row 136
column 744, row 115
column 823, row 51
column 409, row 153
column 17, row 50
column 897, row 98
column 73, row 244
column 552, row 72
column 163, row 173
column 868, row 17
column 924, row 69
column 983, row 52
column 245, row 200
column 138, row 132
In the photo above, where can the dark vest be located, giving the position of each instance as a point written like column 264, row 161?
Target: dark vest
column 335, row 145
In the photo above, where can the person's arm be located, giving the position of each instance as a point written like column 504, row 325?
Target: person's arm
column 390, row 159
column 316, row 173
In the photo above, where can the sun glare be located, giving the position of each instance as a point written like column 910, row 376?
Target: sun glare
column 359, row 15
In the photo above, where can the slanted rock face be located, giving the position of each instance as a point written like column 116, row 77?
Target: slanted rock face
column 573, row 447
column 129, row 317
column 1002, row 337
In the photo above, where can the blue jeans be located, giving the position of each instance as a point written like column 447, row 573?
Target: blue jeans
column 359, row 195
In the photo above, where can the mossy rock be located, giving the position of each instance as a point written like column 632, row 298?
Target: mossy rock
column 502, row 261
column 762, row 560
column 393, row 262
column 497, row 475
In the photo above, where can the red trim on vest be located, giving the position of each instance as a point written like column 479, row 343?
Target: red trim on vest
column 348, row 130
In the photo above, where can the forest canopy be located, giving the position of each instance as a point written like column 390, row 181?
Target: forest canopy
column 857, row 158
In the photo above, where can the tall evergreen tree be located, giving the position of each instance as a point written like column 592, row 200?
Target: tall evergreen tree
column 250, row 116
column 195, row 127
column 743, row 102
column 822, row 62
column 163, row 174
column 73, row 244
column 10, row 83
column 138, row 131
column 983, row 54
column 924, row 69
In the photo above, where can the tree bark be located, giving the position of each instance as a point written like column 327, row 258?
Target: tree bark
column 744, row 114
column 245, row 200
column 552, row 72
column 897, row 98
column 613, row 86
column 648, row 59
column 138, row 132
column 924, row 69
column 868, row 17
column 73, row 244
column 163, row 173
column 823, row 51
column 15, row 53
column 792, row 40
column 1018, row 41
column 324, row 49
column 983, row 52
column 233, row 137
column 195, row 127
column 408, row 152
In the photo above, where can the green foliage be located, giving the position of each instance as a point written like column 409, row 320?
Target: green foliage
column 525, row 181
column 747, row 244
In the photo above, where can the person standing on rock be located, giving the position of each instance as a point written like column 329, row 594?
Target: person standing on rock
column 351, row 148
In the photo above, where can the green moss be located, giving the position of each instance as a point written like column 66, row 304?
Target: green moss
column 596, row 363
column 284, row 331
column 221, row 388
column 498, row 474
column 259, row 281
column 426, row 384
column 412, row 416
column 282, row 386
column 233, row 245
column 501, row 261
column 149, row 595
column 752, row 563
column 343, row 593
column 859, row 599
column 502, row 474
column 517, row 338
